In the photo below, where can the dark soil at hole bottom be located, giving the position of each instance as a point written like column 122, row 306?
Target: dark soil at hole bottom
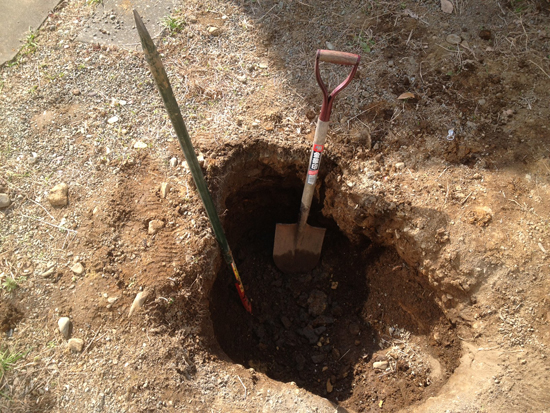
column 324, row 329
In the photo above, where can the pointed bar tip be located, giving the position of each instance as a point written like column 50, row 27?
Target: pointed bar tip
column 139, row 25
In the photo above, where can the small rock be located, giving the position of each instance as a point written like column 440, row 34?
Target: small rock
column 4, row 201
column 329, row 386
column 263, row 65
column 155, row 225
column 477, row 176
column 140, row 145
column 76, row 345
column 76, row 92
column 485, row 34
column 173, row 162
column 138, row 302
column 399, row 165
column 112, row 120
column 201, row 160
column 78, row 268
column 317, row 303
column 192, row 18
column 243, row 79
column 300, row 362
column 65, row 326
column 308, row 333
column 49, row 271
column 286, row 322
column 481, row 102
column 330, row 46
column 380, row 365
column 322, row 320
column 354, row 329
column 59, row 195
column 164, row 189
column 112, row 300
column 214, row 31
column 446, row 6
column 390, row 63
column 318, row 358
column 33, row 160
column 453, row 39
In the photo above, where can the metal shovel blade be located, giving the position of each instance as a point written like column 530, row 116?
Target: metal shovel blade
column 296, row 253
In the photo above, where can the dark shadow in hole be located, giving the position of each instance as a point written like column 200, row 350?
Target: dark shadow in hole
column 297, row 318
column 323, row 329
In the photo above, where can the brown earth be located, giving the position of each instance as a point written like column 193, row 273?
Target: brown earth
column 435, row 263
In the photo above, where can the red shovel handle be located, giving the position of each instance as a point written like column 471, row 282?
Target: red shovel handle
column 340, row 58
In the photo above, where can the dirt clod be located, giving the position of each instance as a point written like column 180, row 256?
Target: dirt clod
column 59, row 195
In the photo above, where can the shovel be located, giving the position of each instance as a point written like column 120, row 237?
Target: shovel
column 298, row 246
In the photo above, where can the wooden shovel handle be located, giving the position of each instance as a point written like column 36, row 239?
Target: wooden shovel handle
column 339, row 58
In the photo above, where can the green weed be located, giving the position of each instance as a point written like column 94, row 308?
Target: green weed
column 365, row 44
column 11, row 284
column 173, row 24
column 519, row 6
column 8, row 360
column 14, row 62
column 30, row 44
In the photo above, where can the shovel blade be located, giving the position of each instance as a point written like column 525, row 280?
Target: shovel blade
column 296, row 254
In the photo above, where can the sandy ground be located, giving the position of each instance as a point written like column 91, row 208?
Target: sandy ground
column 432, row 292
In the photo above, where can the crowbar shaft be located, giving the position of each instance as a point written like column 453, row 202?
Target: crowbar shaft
column 165, row 90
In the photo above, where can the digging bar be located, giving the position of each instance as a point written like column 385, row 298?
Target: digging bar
column 165, row 89
column 297, row 247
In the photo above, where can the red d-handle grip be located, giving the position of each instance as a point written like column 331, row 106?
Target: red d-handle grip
column 340, row 58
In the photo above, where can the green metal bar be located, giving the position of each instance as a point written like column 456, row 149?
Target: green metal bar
column 165, row 89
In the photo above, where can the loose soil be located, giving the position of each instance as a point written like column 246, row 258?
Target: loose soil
column 432, row 292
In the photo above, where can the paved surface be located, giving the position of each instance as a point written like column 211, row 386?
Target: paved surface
column 16, row 16
column 111, row 24
column 113, row 21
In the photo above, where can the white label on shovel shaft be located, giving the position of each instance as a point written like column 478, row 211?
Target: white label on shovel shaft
column 314, row 163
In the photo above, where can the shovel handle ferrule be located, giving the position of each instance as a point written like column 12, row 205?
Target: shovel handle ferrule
column 312, row 171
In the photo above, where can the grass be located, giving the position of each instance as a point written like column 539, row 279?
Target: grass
column 8, row 360
column 519, row 6
column 93, row 2
column 173, row 24
column 30, row 44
